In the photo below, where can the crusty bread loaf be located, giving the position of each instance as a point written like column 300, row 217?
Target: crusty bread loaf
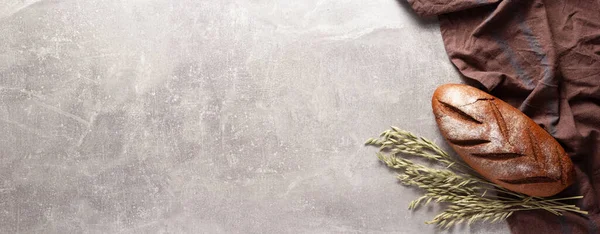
column 500, row 142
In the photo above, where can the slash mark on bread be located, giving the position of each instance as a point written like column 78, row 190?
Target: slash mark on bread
column 452, row 110
column 497, row 156
column 530, row 180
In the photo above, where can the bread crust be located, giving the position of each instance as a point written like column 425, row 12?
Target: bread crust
column 500, row 142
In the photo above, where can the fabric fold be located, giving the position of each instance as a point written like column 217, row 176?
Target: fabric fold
column 437, row 7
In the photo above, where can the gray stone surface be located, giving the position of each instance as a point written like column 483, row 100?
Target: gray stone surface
column 131, row 116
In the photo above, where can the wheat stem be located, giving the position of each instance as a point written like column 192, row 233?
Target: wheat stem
column 466, row 192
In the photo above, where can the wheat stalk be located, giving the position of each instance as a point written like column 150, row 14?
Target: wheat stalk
column 469, row 196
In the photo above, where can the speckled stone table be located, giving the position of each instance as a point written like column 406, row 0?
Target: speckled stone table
column 198, row 116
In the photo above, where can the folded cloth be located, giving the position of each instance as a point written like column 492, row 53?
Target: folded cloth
column 542, row 57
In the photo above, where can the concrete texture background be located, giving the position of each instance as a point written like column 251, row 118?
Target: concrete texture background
column 135, row 116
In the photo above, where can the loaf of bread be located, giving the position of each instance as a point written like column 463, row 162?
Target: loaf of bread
column 500, row 142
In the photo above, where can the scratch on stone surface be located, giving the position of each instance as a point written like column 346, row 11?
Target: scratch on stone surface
column 309, row 14
column 26, row 128
column 350, row 229
column 81, row 138
column 355, row 34
column 142, row 226
column 11, row 9
column 294, row 183
column 103, row 55
column 84, row 135
column 24, row 91
column 6, row 190
column 63, row 113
